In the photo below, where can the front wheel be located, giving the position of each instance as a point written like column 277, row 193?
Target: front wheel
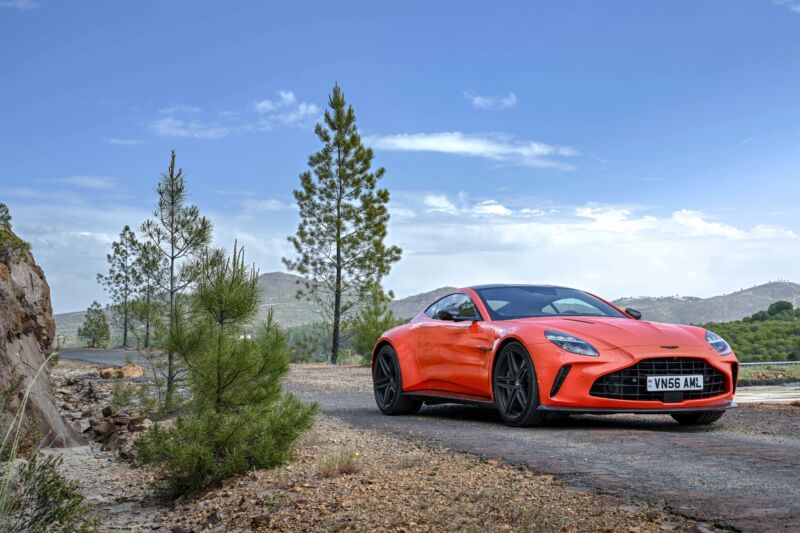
column 516, row 391
column 387, row 384
column 699, row 418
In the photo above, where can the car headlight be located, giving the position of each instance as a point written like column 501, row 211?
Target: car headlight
column 718, row 343
column 571, row 343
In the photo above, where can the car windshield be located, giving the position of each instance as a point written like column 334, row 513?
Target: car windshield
column 525, row 301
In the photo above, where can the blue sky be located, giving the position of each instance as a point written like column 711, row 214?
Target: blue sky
column 622, row 147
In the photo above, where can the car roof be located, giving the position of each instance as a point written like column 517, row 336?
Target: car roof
column 501, row 285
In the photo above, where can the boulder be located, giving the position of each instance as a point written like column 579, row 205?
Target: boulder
column 132, row 371
column 108, row 373
column 27, row 331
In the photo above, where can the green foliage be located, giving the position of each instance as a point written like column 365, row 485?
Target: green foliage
column 239, row 417
column 148, row 308
column 123, row 278
column 5, row 215
column 41, row 500
column 771, row 335
column 33, row 495
column 343, row 217
column 95, row 331
column 779, row 307
column 178, row 234
column 373, row 318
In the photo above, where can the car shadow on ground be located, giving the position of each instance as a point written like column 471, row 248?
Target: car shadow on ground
column 660, row 423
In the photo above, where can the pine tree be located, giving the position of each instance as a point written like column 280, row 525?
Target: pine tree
column 343, row 217
column 123, row 278
column 179, row 233
column 239, row 417
column 95, row 330
column 5, row 215
column 152, row 271
column 371, row 321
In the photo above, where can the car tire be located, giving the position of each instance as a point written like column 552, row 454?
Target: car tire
column 387, row 385
column 699, row 418
column 515, row 387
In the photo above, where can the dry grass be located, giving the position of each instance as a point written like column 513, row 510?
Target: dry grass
column 339, row 464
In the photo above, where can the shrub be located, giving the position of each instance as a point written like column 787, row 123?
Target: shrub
column 95, row 331
column 340, row 464
column 41, row 500
column 239, row 417
column 374, row 318
column 33, row 495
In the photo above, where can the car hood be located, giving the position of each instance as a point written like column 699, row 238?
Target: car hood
column 613, row 332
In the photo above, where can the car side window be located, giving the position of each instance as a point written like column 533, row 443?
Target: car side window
column 456, row 304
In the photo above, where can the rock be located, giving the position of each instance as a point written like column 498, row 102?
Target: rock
column 102, row 426
column 144, row 425
column 108, row 410
column 27, row 331
column 132, row 371
column 108, row 373
column 80, row 425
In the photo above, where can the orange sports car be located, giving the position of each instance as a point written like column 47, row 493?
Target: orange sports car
column 537, row 351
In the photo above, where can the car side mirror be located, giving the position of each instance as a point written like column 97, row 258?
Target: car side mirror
column 444, row 315
column 634, row 313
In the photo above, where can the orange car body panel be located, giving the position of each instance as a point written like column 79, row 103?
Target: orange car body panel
column 458, row 357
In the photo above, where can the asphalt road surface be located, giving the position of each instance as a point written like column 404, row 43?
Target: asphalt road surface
column 743, row 472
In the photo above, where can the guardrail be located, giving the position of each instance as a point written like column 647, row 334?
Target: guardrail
column 772, row 363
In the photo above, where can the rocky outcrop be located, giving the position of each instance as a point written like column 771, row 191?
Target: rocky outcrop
column 27, row 331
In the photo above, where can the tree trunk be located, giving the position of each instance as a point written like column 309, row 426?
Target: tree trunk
column 172, row 317
column 147, row 321
column 125, row 323
column 337, row 288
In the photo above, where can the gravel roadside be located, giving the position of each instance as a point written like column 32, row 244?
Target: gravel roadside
column 346, row 478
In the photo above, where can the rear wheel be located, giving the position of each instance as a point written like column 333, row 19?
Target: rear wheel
column 699, row 418
column 516, row 391
column 387, row 384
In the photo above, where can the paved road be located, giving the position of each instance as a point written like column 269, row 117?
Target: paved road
column 102, row 357
column 743, row 472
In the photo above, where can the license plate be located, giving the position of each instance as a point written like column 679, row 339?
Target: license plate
column 661, row 383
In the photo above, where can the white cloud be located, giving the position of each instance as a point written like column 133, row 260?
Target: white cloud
column 188, row 121
column 614, row 251
column 791, row 5
column 260, row 206
column 491, row 207
column 487, row 103
column 122, row 141
column 495, row 147
column 87, row 182
column 286, row 110
column 20, row 4
column 285, row 99
column 176, row 127
column 439, row 203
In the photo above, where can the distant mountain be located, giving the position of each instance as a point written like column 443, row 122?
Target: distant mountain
column 725, row 308
column 279, row 290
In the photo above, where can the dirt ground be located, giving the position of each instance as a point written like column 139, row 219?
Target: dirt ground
column 348, row 479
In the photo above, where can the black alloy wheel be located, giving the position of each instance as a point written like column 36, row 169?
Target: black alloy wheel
column 387, row 384
column 516, row 391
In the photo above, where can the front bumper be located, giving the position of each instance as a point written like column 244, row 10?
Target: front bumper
column 572, row 393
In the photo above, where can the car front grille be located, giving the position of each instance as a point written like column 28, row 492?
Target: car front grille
column 631, row 383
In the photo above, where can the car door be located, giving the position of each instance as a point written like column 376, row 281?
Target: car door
column 456, row 347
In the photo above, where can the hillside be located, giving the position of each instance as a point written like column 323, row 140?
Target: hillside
column 769, row 335
column 279, row 290
column 724, row 308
